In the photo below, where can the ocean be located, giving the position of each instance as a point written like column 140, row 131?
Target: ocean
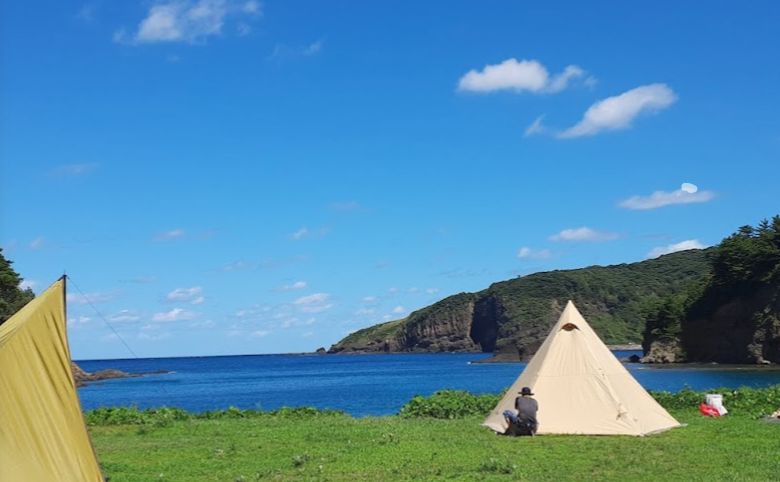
column 361, row 385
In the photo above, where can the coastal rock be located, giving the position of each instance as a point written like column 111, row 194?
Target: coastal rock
column 664, row 351
column 81, row 377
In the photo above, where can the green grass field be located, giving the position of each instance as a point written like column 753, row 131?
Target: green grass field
column 339, row 447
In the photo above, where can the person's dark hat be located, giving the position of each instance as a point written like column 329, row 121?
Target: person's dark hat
column 525, row 391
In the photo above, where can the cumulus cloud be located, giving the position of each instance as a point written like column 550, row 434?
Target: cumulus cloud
column 124, row 316
column 619, row 112
column 399, row 309
column 298, row 285
column 259, row 333
column 315, row 303
column 583, row 234
column 673, row 248
column 300, row 234
column 687, row 194
column 176, row 314
column 518, row 76
column 187, row 21
column 528, row 253
column 192, row 295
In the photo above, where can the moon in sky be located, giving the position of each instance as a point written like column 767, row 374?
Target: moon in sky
column 689, row 188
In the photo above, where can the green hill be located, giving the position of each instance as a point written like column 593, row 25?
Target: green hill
column 511, row 318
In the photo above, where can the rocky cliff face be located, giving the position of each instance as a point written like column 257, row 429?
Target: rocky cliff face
column 511, row 319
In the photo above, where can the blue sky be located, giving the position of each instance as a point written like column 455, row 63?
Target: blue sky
column 225, row 177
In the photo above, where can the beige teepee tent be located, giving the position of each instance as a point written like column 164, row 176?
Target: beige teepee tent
column 42, row 431
column 582, row 388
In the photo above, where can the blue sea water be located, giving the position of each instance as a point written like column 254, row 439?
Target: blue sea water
column 358, row 384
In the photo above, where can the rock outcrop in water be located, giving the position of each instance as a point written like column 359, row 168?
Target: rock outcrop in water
column 512, row 318
column 81, row 377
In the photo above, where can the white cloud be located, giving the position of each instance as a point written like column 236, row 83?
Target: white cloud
column 298, row 285
column 25, row 284
column 365, row 312
column 432, row 291
column 86, row 298
column 252, row 7
column 260, row 333
column 583, row 234
column 283, row 51
column 187, row 21
column 192, row 295
column 535, row 128
column 238, row 266
column 300, row 234
column 176, row 314
column 687, row 194
column 124, row 316
column 528, row 253
column 169, row 235
column 399, row 309
column 619, row 111
column 673, row 248
column 519, row 76
column 38, row 243
column 312, row 299
column 75, row 321
column 370, row 299
column 313, row 48
column 315, row 303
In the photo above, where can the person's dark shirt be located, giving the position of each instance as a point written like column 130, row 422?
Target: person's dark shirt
column 526, row 409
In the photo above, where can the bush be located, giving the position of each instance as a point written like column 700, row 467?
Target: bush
column 754, row 402
column 165, row 416
column 449, row 404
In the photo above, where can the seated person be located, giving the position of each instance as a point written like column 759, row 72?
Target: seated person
column 524, row 422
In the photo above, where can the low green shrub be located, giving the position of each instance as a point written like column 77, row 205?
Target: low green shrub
column 754, row 402
column 446, row 404
column 449, row 404
column 165, row 416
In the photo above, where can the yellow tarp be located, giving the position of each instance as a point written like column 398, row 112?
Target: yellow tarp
column 42, row 431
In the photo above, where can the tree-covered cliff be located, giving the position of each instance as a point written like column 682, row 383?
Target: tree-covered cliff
column 732, row 316
column 511, row 318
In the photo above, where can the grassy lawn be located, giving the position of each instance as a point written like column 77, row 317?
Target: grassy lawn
column 339, row 447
